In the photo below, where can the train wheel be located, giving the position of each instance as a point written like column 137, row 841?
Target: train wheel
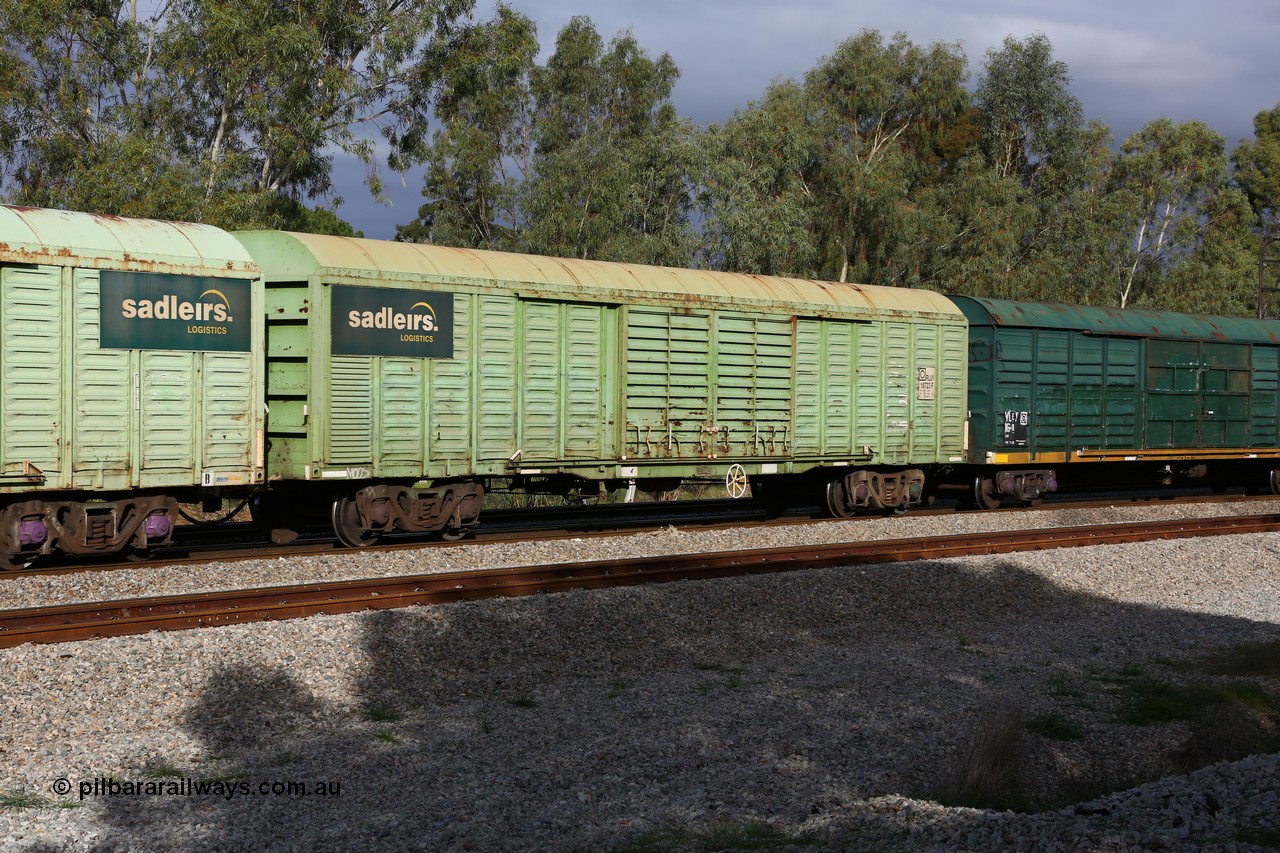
column 346, row 523
column 984, row 493
column 452, row 534
column 1274, row 481
column 837, row 502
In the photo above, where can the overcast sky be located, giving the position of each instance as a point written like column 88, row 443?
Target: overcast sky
column 1131, row 61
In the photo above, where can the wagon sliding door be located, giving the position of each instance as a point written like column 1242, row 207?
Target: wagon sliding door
column 565, row 383
column 1198, row 394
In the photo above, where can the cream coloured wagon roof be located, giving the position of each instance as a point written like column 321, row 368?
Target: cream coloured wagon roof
column 282, row 253
column 33, row 235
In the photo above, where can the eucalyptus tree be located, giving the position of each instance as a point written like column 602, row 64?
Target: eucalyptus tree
column 229, row 112
column 1168, row 174
column 612, row 162
column 72, row 76
column 876, row 110
column 274, row 88
column 481, row 152
column 757, row 207
column 1220, row 275
column 1028, row 117
column 1257, row 163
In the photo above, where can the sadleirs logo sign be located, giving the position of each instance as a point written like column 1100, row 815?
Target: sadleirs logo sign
column 141, row 310
column 391, row 321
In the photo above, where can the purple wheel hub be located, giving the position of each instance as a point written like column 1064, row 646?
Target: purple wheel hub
column 32, row 532
column 157, row 526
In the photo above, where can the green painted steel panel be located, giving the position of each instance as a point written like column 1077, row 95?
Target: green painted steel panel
column 952, row 392
column 589, row 349
column 288, row 306
column 1264, row 426
column 899, row 386
column 1124, row 416
column 869, row 389
column 810, row 362
column 496, row 357
column 541, row 401
column 1053, row 366
column 753, row 389
column 288, row 378
column 224, row 408
column 401, row 433
column 1014, row 375
column 166, row 390
column 351, row 396
column 825, row 367
column 563, row 380
column 923, row 417
column 449, row 403
column 31, row 360
column 981, row 404
column 835, row 432
column 1198, row 394
column 668, row 384
column 1087, row 393
column 102, row 397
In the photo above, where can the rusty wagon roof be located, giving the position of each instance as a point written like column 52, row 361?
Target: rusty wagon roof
column 1129, row 322
column 32, row 235
column 287, row 253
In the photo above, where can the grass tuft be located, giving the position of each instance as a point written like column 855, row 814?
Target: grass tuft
column 1055, row 727
column 1262, row 836
column 987, row 774
column 22, row 798
column 1228, row 721
column 162, row 769
column 383, row 715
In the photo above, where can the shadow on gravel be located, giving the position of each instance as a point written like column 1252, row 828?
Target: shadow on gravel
column 654, row 717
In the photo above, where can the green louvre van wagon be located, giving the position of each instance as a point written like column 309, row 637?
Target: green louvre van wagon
column 130, row 377
column 1174, row 396
column 392, row 363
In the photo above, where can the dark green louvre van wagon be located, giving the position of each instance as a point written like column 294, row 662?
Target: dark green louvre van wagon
column 1052, row 384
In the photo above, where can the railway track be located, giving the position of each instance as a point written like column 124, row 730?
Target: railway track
column 242, row 541
column 118, row 618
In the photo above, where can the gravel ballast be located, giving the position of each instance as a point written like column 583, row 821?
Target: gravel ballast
column 829, row 707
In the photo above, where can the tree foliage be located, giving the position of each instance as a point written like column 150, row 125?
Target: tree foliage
column 212, row 110
column 1168, row 173
column 756, row 198
column 478, row 159
column 1029, row 117
column 876, row 111
column 582, row 157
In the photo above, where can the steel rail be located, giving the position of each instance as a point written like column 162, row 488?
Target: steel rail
column 66, row 623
